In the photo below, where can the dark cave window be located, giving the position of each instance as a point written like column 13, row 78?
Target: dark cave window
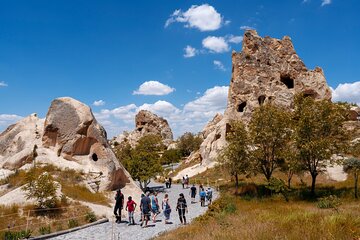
column 261, row 99
column 241, row 107
column 288, row 81
column 94, row 157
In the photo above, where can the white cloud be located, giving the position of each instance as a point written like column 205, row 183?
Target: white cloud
column 189, row 52
column 8, row 119
column 349, row 92
column 153, row 88
column 203, row 17
column 234, row 39
column 215, row 44
column 219, row 65
column 3, row 84
column 325, row 2
column 99, row 103
column 246, row 28
column 192, row 117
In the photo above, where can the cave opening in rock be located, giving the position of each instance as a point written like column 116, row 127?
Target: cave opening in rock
column 241, row 107
column 288, row 81
column 261, row 99
column 94, row 157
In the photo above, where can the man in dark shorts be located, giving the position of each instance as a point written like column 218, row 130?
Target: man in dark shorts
column 119, row 204
column 145, row 208
column 181, row 207
column 193, row 193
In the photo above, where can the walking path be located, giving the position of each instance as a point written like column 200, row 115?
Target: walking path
column 114, row 231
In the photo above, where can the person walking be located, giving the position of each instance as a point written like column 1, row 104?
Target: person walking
column 119, row 204
column 209, row 194
column 193, row 193
column 187, row 180
column 202, row 197
column 130, row 207
column 181, row 207
column 166, row 208
column 167, row 183
column 145, row 207
column 170, row 181
column 183, row 182
column 154, row 206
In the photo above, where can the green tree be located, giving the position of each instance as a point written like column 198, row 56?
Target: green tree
column 143, row 161
column 235, row 156
column 270, row 133
column 188, row 143
column 318, row 134
column 170, row 156
column 42, row 188
column 352, row 165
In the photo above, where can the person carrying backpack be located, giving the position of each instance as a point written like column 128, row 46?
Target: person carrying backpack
column 181, row 207
column 119, row 205
column 193, row 193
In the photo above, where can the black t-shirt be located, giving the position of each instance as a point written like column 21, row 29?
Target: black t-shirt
column 193, row 190
column 181, row 204
column 119, row 198
column 145, row 204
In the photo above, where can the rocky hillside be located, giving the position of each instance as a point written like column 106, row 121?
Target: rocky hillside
column 69, row 137
column 146, row 123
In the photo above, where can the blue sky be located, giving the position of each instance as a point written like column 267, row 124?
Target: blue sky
column 121, row 54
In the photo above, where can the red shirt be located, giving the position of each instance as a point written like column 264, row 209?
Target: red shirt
column 130, row 205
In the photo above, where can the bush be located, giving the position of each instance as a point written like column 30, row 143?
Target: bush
column 73, row 223
column 329, row 202
column 90, row 217
column 45, row 230
column 17, row 235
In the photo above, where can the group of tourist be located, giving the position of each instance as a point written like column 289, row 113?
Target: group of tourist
column 150, row 206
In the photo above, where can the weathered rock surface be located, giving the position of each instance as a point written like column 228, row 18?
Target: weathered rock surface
column 70, row 137
column 146, row 123
column 266, row 70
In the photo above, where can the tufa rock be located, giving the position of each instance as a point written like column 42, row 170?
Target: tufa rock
column 266, row 70
column 146, row 123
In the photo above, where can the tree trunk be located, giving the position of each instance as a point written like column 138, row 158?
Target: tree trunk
column 313, row 182
column 236, row 183
column 356, row 184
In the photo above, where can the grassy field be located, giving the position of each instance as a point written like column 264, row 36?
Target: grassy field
column 258, row 214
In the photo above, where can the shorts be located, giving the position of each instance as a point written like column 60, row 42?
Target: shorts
column 155, row 210
column 146, row 214
column 131, row 214
column 193, row 195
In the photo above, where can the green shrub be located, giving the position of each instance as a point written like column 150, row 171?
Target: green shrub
column 329, row 202
column 9, row 235
column 90, row 217
column 73, row 223
column 45, row 230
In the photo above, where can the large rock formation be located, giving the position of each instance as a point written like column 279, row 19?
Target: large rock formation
column 146, row 123
column 70, row 137
column 266, row 70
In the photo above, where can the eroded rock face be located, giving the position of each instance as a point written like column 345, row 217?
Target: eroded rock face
column 146, row 123
column 69, row 137
column 266, row 70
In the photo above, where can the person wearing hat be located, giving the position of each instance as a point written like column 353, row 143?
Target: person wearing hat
column 119, row 204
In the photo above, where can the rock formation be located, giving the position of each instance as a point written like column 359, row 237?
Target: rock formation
column 266, row 70
column 146, row 123
column 69, row 137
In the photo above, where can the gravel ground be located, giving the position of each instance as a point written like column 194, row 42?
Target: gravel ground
column 112, row 230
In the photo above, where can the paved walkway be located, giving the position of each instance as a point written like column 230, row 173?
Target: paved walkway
column 111, row 230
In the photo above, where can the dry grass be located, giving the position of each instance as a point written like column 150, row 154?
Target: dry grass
column 232, row 217
column 270, row 217
column 16, row 218
column 81, row 193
